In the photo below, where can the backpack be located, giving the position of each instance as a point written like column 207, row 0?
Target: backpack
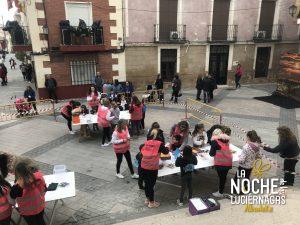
column 188, row 168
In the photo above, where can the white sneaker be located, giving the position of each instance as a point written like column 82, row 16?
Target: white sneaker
column 217, row 194
column 118, row 175
column 105, row 145
column 179, row 203
column 71, row 132
column 135, row 176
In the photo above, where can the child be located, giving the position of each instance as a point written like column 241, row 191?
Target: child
column 186, row 162
column 136, row 115
column 66, row 112
column 123, row 103
column 144, row 114
column 29, row 191
column 199, row 136
column 5, row 207
column 139, row 160
column 115, row 111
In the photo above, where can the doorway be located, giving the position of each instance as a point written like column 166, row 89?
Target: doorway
column 262, row 61
column 218, row 62
column 168, row 64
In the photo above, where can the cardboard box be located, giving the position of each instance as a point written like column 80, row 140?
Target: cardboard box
column 201, row 205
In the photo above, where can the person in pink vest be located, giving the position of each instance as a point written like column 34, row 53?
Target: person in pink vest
column 222, row 158
column 29, row 192
column 66, row 112
column 136, row 115
column 5, row 206
column 121, row 145
column 104, row 120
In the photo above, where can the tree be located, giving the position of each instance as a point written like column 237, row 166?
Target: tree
column 20, row 56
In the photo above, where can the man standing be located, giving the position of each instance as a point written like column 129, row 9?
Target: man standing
column 199, row 86
column 98, row 82
column 206, row 88
column 213, row 86
column 51, row 84
column 238, row 75
column 29, row 72
column 23, row 70
column 3, row 74
column 176, row 87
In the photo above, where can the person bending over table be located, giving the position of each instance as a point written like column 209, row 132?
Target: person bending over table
column 150, row 165
column 66, row 112
column 29, row 191
column 288, row 149
column 179, row 135
column 222, row 158
column 160, row 132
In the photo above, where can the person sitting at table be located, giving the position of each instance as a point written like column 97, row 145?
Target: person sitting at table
column 136, row 115
column 66, row 112
column 250, row 152
column 5, row 206
column 121, row 145
column 180, row 130
column 104, row 120
column 160, row 132
column 186, row 162
column 222, row 158
column 199, row 136
column 150, row 164
column 29, row 192
column 93, row 99
column 115, row 111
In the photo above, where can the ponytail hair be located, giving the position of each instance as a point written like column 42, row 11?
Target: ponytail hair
column 253, row 137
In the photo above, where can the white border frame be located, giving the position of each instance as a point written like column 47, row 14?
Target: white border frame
column 85, row 3
column 159, row 48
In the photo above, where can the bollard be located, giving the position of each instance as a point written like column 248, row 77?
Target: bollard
column 221, row 118
column 53, row 108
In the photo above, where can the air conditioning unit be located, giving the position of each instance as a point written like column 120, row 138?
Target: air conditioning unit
column 174, row 35
column 261, row 34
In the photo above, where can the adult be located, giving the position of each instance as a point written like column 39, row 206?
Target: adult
column 206, row 89
column 117, row 87
column 222, row 158
column 199, row 86
column 176, row 87
column 104, row 120
column 66, row 112
column 160, row 133
column 288, row 149
column 51, row 85
column 3, row 74
column 128, row 89
column 23, row 70
column 12, row 63
column 179, row 135
column 107, row 89
column 150, row 164
column 29, row 71
column 121, row 145
column 136, row 115
column 250, row 152
column 238, row 75
column 212, row 86
column 29, row 95
column 159, row 85
column 29, row 191
column 98, row 81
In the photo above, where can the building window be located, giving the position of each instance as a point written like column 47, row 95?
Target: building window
column 82, row 72
column 79, row 10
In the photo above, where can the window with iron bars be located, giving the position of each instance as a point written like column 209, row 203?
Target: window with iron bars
column 83, row 72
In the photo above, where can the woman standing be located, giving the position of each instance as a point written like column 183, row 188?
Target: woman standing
column 199, row 136
column 159, row 85
column 121, row 145
column 93, row 99
column 5, row 206
column 136, row 115
column 288, row 149
column 66, row 112
column 104, row 120
column 222, row 158
column 29, row 95
column 176, row 87
column 150, row 164
column 250, row 152
column 29, row 192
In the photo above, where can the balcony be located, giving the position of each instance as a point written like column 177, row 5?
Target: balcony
column 20, row 37
column 169, row 33
column 268, row 33
column 76, row 39
column 222, row 33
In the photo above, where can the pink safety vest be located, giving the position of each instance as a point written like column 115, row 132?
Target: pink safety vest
column 122, row 147
column 102, row 121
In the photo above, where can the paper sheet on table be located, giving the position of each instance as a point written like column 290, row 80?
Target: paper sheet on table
column 198, row 203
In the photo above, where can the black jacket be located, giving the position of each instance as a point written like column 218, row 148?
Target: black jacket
column 182, row 162
column 159, row 84
column 285, row 149
column 206, row 84
column 199, row 84
column 160, row 135
column 47, row 83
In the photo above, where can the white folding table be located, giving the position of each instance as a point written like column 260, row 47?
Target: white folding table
column 204, row 160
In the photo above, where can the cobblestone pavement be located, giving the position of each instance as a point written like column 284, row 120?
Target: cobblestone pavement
column 101, row 198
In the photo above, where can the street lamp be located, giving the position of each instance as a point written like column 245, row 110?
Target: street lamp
column 292, row 10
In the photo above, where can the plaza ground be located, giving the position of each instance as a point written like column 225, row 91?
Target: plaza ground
column 101, row 198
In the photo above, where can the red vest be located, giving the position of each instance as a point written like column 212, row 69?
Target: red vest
column 32, row 201
column 124, row 146
column 102, row 121
column 150, row 153
column 94, row 102
column 137, row 113
column 223, row 156
column 5, row 207
column 64, row 109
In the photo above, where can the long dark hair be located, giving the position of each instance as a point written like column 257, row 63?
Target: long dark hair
column 3, row 172
column 90, row 91
column 24, row 169
column 136, row 101
column 198, row 127
column 121, row 125
column 285, row 134
column 253, row 137
column 187, row 152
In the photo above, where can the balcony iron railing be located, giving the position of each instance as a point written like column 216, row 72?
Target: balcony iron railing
column 268, row 33
column 75, row 35
column 222, row 33
column 169, row 33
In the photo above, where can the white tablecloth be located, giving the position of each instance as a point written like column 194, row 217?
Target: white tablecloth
column 93, row 118
column 204, row 160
